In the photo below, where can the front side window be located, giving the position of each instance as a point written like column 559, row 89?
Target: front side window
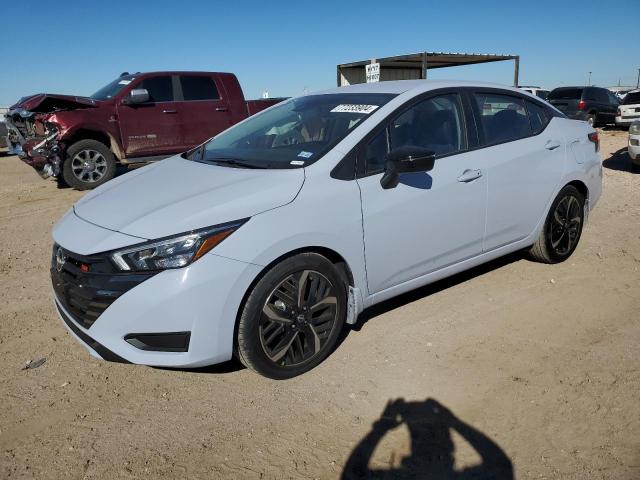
column 294, row 133
column 502, row 118
column 435, row 124
column 375, row 152
column 198, row 87
column 160, row 88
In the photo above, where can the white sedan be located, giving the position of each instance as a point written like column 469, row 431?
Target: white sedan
column 263, row 242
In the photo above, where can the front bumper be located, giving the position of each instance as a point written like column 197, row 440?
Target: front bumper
column 203, row 299
column 42, row 152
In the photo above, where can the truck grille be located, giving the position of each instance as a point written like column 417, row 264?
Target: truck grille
column 87, row 285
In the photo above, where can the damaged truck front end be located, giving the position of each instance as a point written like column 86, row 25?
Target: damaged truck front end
column 35, row 131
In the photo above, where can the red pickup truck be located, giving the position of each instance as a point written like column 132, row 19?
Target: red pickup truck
column 136, row 118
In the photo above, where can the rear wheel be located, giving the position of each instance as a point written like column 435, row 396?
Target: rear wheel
column 293, row 317
column 562, row 228
column 88, row 164
column 592, row 119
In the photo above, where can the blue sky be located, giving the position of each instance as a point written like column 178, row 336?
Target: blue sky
column 285, row 47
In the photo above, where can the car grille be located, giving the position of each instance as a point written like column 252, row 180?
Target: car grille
column 87, row 285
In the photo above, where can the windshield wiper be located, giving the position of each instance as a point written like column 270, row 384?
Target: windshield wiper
column 235, row 163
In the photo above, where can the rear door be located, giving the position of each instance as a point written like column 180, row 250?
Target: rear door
column 204, row 112
column 430, row 219
column 151, row 128
column 524, row 158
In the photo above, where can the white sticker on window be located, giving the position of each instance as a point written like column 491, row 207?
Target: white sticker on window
column 297, row 162
column 354, row 108
column 124, row 82
column 304, row 154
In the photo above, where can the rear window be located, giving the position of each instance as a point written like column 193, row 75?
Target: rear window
column 632, row 98
column 196, row 87
column 566, row 94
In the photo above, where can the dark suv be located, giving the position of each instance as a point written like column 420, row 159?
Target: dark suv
column 595, row 105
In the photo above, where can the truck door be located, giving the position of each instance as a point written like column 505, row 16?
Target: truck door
column 203, row 111
column 153, row 127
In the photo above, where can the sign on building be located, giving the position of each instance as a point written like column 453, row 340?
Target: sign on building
column 373, row 72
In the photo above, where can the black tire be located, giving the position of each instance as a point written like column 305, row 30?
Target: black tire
column 561, row 231
column 292, row 328
column 100, row 165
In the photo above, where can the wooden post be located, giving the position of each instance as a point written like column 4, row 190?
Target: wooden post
column 516, row 72
column 423, row 67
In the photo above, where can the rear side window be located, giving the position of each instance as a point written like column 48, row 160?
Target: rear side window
column 538, row 117
column 502, row 118
column 597, row 95
column 195, row 87
column 632, row 98
column 160, row 88
column 566, row 94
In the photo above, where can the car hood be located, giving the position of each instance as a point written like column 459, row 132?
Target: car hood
column 177, row 195
column 49, row 102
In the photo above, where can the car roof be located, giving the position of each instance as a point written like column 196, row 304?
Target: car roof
column 415, row 86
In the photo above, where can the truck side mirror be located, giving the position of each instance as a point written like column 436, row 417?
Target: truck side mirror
column 137, row 95
column 403, row 160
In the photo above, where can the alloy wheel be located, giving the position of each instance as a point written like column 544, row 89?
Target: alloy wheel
column 88, row 166
column 565, row 226
column 298, row 317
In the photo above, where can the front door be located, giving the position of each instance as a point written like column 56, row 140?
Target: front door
column 431, row 219
column 152, row 128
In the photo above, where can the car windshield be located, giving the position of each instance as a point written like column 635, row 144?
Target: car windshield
column 293, row 134
column 565, row 94
column 108, row 91
column 632, row 98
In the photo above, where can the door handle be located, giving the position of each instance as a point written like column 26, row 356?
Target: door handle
column 551, row 145
column 222, row 109
column 169, row 111
column 469, row 175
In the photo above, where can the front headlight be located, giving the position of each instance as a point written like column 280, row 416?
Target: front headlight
column 634, row 129
column 174, row 252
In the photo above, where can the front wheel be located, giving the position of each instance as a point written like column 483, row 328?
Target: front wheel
column 562, row 229
column 88, row 164
column 292, row 318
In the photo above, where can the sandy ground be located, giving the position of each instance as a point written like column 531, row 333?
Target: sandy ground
column 513, row 365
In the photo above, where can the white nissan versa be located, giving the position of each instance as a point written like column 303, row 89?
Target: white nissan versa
column 265, row 240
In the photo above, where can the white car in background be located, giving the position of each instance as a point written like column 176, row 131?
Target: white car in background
column 629, row 109
column 264, row 241
column 537, row 91
column 634, row 143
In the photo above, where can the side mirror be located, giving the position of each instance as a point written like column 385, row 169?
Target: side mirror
column 404, row 160
column 137, row 95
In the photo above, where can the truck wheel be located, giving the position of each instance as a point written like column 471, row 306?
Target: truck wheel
column 88, row 164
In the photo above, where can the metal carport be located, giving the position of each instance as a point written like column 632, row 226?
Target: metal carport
column 416, row 65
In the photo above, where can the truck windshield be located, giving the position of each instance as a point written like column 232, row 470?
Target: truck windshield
column 295, row 133
column 108, row 91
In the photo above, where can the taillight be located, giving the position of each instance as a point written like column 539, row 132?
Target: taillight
column 593, row 137
column 582, row 105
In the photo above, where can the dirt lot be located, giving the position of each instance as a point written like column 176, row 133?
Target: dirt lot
column 530, row 367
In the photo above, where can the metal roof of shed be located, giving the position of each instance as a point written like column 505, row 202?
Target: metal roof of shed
column 428, row 60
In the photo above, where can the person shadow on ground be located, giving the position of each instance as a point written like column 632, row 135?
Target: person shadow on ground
column 432, row 449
